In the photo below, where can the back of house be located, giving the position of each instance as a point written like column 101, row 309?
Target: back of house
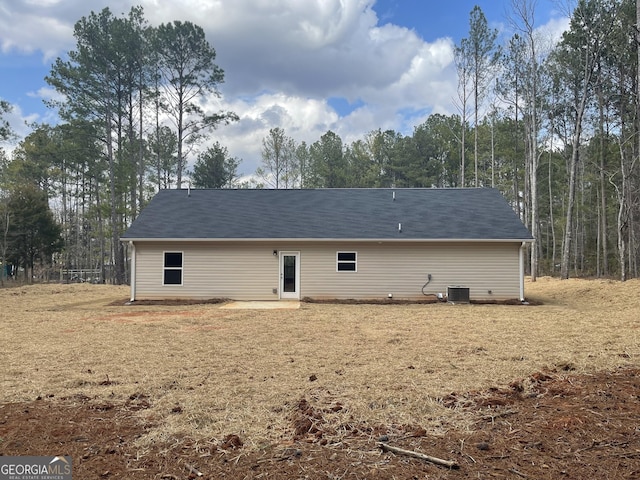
column 321, row 244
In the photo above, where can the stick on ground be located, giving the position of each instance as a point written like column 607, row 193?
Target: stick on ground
column 193, row 470
column 421, row 456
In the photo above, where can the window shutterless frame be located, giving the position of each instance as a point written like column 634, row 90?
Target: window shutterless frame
column 346, row 261
column 172, row 267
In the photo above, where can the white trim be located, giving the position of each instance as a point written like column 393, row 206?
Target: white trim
column 133, row 271
column 320, row 239
column 164, row 252
column 281, row 293
column 521, row 255
column 338, row 262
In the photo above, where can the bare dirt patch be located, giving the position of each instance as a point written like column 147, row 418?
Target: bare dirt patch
column 550, row 391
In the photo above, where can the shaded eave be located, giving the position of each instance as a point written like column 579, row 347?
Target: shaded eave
column 330, row 240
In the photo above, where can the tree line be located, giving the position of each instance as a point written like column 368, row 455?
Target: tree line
column 132, row 112
column 554, row 127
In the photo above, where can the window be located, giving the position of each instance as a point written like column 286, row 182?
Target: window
column 347, row 262
column 172, row 268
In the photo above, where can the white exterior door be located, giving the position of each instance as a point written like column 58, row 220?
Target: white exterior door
column 290, row 275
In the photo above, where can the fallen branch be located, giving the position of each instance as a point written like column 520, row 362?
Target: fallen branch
column 421, row 456
column 520, row 474
column 193, row 470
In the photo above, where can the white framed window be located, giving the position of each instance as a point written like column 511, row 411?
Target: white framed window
column 172, row 268
column 347, row 261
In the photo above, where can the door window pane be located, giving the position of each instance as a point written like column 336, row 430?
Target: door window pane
column 289, row 273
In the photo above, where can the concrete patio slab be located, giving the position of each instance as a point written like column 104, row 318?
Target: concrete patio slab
column 262, row 305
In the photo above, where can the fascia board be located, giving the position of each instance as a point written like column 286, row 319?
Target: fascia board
column 331, row 240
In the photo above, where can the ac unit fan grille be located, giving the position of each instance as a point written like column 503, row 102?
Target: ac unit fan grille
column 458, row 294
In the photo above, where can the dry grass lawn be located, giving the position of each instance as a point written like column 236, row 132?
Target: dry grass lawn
column 205, row 372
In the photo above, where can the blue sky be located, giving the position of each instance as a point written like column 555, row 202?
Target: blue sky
column 351, row 66
column 434, row 19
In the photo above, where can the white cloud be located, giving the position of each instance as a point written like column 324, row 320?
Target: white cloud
column 27, row 28
column 311, row 51
column 283, row 59
column 553, row 30
column 47, row 93
column 304, row 119
column 20, row 125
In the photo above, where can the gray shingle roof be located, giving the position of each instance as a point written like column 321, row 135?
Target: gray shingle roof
column 432, row 214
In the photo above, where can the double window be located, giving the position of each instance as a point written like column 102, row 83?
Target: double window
column 347, row 262
column 172, row 268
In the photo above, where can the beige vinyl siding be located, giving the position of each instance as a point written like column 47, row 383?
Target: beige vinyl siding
column 239, row 271
column 402, row 269
column 250, row 271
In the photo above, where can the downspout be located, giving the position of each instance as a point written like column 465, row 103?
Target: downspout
column 522, row 247
column 133, row 271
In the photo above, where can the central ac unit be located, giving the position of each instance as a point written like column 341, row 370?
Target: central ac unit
column 458, row 294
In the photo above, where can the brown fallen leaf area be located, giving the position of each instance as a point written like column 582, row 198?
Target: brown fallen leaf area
column 549, row 390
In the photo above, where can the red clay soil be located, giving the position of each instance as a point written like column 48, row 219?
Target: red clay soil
column 548, row 426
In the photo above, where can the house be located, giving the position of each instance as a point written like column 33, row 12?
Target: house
column 327, row 244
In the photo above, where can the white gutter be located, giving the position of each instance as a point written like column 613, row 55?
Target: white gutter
column 133, row 270
column 320, row 239
column 522, row 271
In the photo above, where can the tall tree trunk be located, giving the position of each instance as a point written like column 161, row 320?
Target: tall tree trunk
column 6, row 218
column 133, row 158
column 516, row 163
column 116, row 247
column 103, row 249
column 180, row 145
column 637, row 99
column 603, row 248
column 571, row 198
column 493, row 153
column 462, row 147
column 475, row 129
column 141, row 162
column 622, row 219
column 66, row 224
column 551, row 219
column 533, row 185
column 603, row 262
column 524, row 11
